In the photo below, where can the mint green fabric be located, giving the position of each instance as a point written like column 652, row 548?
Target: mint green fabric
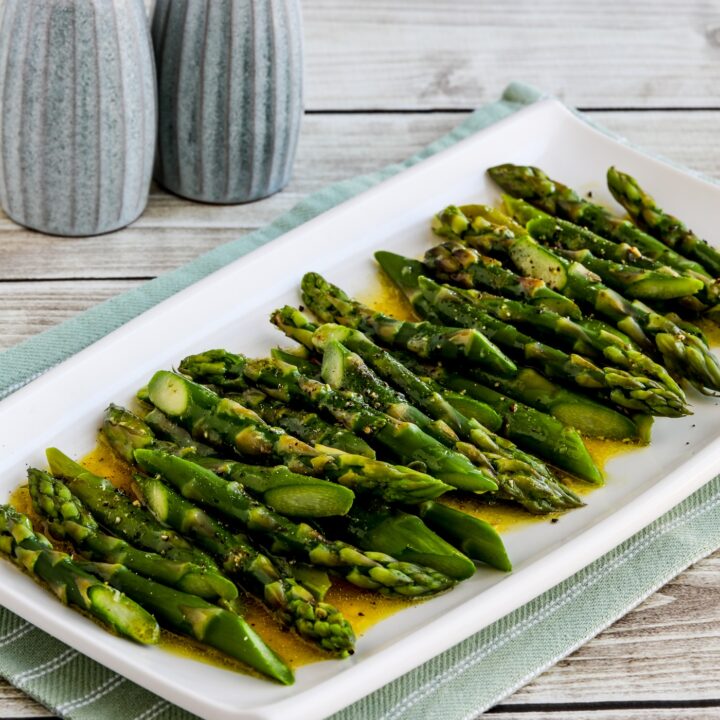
column 460, row 683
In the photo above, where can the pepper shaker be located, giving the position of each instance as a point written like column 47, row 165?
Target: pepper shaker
column 230, row 96
column 77, row 114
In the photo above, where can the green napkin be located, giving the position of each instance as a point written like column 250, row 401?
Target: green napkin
column 460, row 683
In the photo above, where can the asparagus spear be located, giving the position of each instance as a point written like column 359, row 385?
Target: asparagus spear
column 606, row 345
column 130, row 432
column 285, row 491
column 563, row 233
column 556, row 232
column 236, row 427
column 295, row 325
column 166, row 429
column 683, row 353
column 306, row 425
column 224, row 370
column 461, row 265
column 633, row 392
column 404, row 439
column 537, row 490
column 537, row 431
column 651, row 285
column 293, row 605
column 654, row 220
column 424, row 339
column 476, row 538
column 406, row 537
column 197, row 618
column 69, row 519
column 73, row 585
column 118, row 512
column 376, row 571
column 587, row 416
column 533, row 185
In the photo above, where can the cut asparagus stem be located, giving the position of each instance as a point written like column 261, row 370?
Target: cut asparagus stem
column 460, row 265
column 70, row 582
column 476, row 538
column 406, row 537
column 69, row 519
column 197, row 618
column 376, row 571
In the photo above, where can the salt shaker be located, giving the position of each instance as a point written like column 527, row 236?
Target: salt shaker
column 230, row 96
column 78, row 115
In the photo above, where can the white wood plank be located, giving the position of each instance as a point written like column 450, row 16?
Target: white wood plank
column 425, row 53
column 173, row 231
column 430, row 54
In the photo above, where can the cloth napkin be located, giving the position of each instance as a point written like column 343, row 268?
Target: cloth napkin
column 460, row 683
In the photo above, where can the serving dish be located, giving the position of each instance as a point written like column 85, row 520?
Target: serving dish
column 230, row 309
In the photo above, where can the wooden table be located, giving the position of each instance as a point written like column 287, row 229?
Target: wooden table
column 384, row 78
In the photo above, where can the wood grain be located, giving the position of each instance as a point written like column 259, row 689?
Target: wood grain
column 429, row 54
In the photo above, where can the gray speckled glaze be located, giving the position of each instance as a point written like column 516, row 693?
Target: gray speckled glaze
column 78, row 114
column 230, row 96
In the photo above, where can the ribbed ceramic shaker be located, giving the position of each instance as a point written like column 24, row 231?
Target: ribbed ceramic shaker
column 77, row 114
column 230, row 96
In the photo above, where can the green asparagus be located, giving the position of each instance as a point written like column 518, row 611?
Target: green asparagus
column 404, row 439
column 70, row 582
column 285, row 491
column 371, row 570
column 462, row 265
column 115, row 510
column 406, row 537
column 236, row 427
column 533, row 185
column 538, row 432
column 68, row 519
column 537, row 490
column 603, row 345
column 425, row 339
column 476, row 538
column 193, row 616
column 652, row 219
column 224, row 370
column 684, row 354
column 293, row 605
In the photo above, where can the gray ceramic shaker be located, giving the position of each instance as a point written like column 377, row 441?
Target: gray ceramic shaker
column 230, row 96
column 78, row 114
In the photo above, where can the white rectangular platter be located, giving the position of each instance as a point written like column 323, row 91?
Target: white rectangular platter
column 230, row 309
